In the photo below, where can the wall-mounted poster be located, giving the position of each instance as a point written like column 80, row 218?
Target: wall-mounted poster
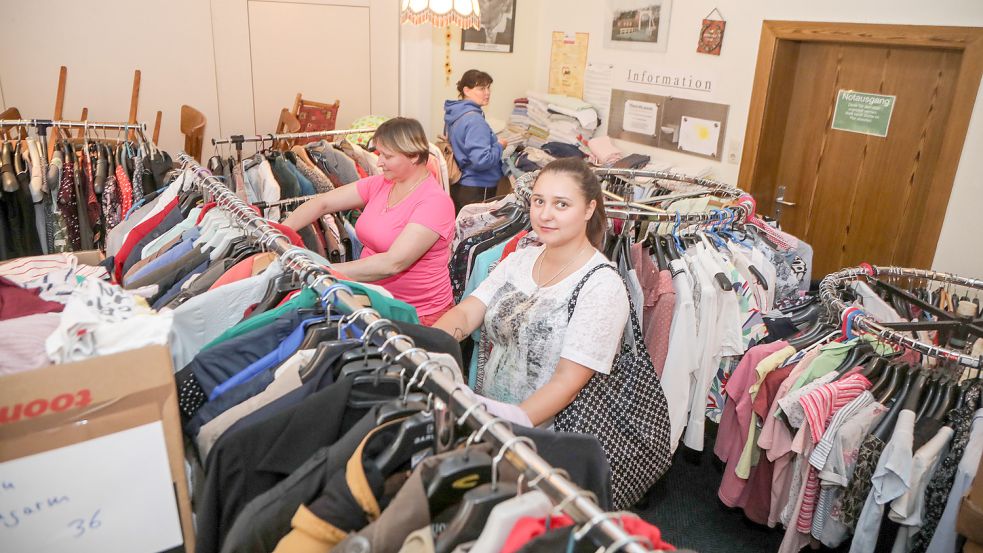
column 568, row 60
column 641, row 25
column 497, row 32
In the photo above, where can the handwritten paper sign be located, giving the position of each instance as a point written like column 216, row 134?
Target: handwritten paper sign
column 111, row 493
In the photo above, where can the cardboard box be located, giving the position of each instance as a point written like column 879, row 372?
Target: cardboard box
column 85, row 257
column 51, row 418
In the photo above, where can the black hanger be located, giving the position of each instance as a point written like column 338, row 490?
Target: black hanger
column 805, row 316
column 469, row 521
column 654, row 245
column 402, row 407
column 276, row 290
column 857, row 355
column 890, row 388
column 874, row 369
column 947, row 401
column 811, row 335
column 760, row 277
column 476, row 506
column 931, row 397
column 415, row 435
column 669, row 247
column 461, row 471
column 101, row 168
column 319, row 332
column 906, row 398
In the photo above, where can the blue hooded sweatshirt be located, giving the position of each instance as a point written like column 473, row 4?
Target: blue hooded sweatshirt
column 476, row 148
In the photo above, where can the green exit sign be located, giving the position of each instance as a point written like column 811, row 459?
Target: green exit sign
column 863, row 113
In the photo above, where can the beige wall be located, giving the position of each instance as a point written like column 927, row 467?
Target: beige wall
column 960, row 248
column 101, row 43
column 511, row 72
column 200, row 53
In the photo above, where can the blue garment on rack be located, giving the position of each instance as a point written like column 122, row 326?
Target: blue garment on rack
column 286, row 348
column 356, row 243
column 176, row 289
column 481, row 270
column 306, row 186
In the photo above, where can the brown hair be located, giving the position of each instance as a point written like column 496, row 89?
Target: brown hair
column 472, row 78
column 590, row 187
column 406, row 136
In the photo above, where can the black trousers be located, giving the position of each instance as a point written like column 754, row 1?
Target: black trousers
column 464, row 195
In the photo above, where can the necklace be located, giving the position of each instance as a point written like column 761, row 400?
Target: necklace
column 407, row 195
column 558, row 273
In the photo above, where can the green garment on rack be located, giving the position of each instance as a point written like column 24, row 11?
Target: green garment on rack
column 388, row 308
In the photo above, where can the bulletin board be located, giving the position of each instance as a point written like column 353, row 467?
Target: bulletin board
column 681, row 125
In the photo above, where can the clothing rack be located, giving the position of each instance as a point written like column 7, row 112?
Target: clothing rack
column 42, row 124
column 239, row 139
column 718, row 188
column 865, row 323
column 426, row 373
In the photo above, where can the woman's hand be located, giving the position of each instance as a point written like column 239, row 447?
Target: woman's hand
column 503, row 142
column 567, row 381
column 340, row 199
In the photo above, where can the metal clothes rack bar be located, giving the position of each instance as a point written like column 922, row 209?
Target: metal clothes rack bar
column 618, row 209
column 426, row 373
column 718, row 188
column 45, row 123
column 828, row 292
column 240, row 139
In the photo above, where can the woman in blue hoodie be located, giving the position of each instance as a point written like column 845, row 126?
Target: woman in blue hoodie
column 477, row 150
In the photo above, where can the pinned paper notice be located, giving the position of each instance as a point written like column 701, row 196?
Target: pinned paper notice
column 640, row 117
column 699, row 136
column 112, row 493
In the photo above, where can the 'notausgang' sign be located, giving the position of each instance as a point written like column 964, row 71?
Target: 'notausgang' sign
column 863, row 113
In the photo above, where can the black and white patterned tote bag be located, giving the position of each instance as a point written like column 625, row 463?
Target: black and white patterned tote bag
column 626, row 411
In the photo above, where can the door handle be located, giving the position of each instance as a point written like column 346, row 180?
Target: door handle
column 784, row 203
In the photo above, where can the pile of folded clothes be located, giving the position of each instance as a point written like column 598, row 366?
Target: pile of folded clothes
column 555, row 118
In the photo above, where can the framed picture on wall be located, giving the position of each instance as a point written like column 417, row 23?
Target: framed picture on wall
column 641, row 25
column 497, row 32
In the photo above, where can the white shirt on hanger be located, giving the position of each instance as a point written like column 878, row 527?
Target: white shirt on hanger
column 682, row 366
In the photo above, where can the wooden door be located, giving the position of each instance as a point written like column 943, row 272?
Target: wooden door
column 858, row 197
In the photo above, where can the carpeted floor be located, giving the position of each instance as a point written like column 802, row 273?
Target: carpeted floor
column 684, row 505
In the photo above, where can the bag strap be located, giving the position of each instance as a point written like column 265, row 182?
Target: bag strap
column 446, row 128
column 636, row 327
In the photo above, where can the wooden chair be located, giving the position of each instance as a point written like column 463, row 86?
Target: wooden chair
column 315, row 116
column 193, row 129
column 11, row 113
column 287, row 123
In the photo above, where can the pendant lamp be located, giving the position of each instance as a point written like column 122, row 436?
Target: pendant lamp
column 443, row 13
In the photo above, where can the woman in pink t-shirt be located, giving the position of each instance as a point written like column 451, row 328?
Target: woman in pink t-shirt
column 406, row 226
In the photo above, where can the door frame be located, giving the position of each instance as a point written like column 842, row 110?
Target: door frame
column 777, row 54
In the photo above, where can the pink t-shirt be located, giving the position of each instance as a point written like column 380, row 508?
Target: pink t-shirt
column 426, row 285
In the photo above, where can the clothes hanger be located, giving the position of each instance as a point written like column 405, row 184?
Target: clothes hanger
column 888, row 378
column 947, row 401
column 477, row 504
column 858, row 355
column 907, row 397
column 415, row 435
column 934, row 390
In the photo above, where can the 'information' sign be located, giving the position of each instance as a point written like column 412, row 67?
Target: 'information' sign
column 863, row 113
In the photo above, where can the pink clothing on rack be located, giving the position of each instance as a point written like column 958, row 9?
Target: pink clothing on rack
column 820, row 405
column 736, row 419
column 776, row 441
column 426, row 284
column 659, row 304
